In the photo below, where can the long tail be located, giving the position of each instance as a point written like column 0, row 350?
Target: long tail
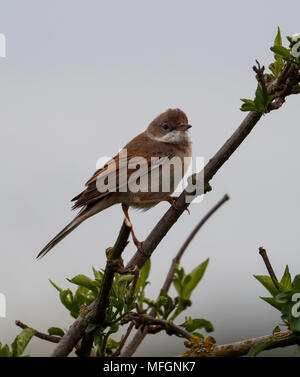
column 85, row 213
column 61, row 235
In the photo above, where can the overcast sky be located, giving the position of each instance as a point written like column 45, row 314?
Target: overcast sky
column 81, row 78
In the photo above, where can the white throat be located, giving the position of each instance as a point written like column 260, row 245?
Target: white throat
column 173, row 137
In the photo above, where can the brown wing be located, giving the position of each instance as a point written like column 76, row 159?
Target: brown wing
column 116, row 173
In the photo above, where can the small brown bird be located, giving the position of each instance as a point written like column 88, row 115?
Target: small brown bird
column 166, row 138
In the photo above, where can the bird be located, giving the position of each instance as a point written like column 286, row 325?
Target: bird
column 165, row 139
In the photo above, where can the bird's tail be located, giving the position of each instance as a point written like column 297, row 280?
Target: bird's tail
column 61, row 235
column 86, row 212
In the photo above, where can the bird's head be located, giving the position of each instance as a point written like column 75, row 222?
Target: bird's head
column 170, row 127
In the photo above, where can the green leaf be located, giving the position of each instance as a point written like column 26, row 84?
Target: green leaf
column 277, row 67
column 56, row 331
column 248, row 105
column 272, row 301
column 199, row 323
column 144, row 273
column 269, row 99
column 83, row 296
column 112, row 343
column 276, row 329
column 186, row 279
column 84, row 281
column 284, row 297
column 267, row 282
column 66, row 297
column 296, row 282
column 196, row 276
column 166, row 302
column 97, row 274
column 177, row 285
column 179, row 271
column 258, row 348
column 19, row 344
column 287, row 315
column 91, row 327
column 261, row 100
column 55, row 286
column 278, row 39
column 4, row 351
column 200, row 336
column 281, row 51
column 259, row 97
column 118, row 304
column 180, row 307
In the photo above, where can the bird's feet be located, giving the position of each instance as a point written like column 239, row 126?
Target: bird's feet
column 137, row 243
column 169, row 199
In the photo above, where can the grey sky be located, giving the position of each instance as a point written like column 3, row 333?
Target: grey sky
column 81, row 78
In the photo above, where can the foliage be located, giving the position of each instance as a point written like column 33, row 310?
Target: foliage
column 282, row 55
column 126, row 298
column 284, row 297
column 18, row 345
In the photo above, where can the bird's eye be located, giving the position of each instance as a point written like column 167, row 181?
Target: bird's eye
column 165, row 126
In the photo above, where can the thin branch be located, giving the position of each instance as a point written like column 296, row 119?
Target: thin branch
column 180, row 253
column 98, row 308
column 242, row 347
column 265, row 258
column 112, row 265
column 143, row 331
column 261, row 77
column 172, row 215
column 50, row 338
column 148, row 320
column 102, row 302
column 123, row 341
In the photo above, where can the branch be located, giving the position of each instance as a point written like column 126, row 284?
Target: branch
column 172, row 215
column 180, row 253
column 148, row 320
column 50, row 338
column 142, row 332
column 265, row 258
column 242, row 348
column 97, row 308
column 288, row 75
column 261, row 77
column 123, row 341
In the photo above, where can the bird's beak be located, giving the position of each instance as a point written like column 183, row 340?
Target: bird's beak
column 185, row 127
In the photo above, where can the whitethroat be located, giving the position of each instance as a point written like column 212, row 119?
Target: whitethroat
column 166, row 139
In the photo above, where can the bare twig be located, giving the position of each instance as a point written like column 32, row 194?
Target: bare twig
column 171, row 216
column 148, row 320
column 179, row 255
column 265, row 258
column 50, row 338
column 123, row 341
column 261, row 77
